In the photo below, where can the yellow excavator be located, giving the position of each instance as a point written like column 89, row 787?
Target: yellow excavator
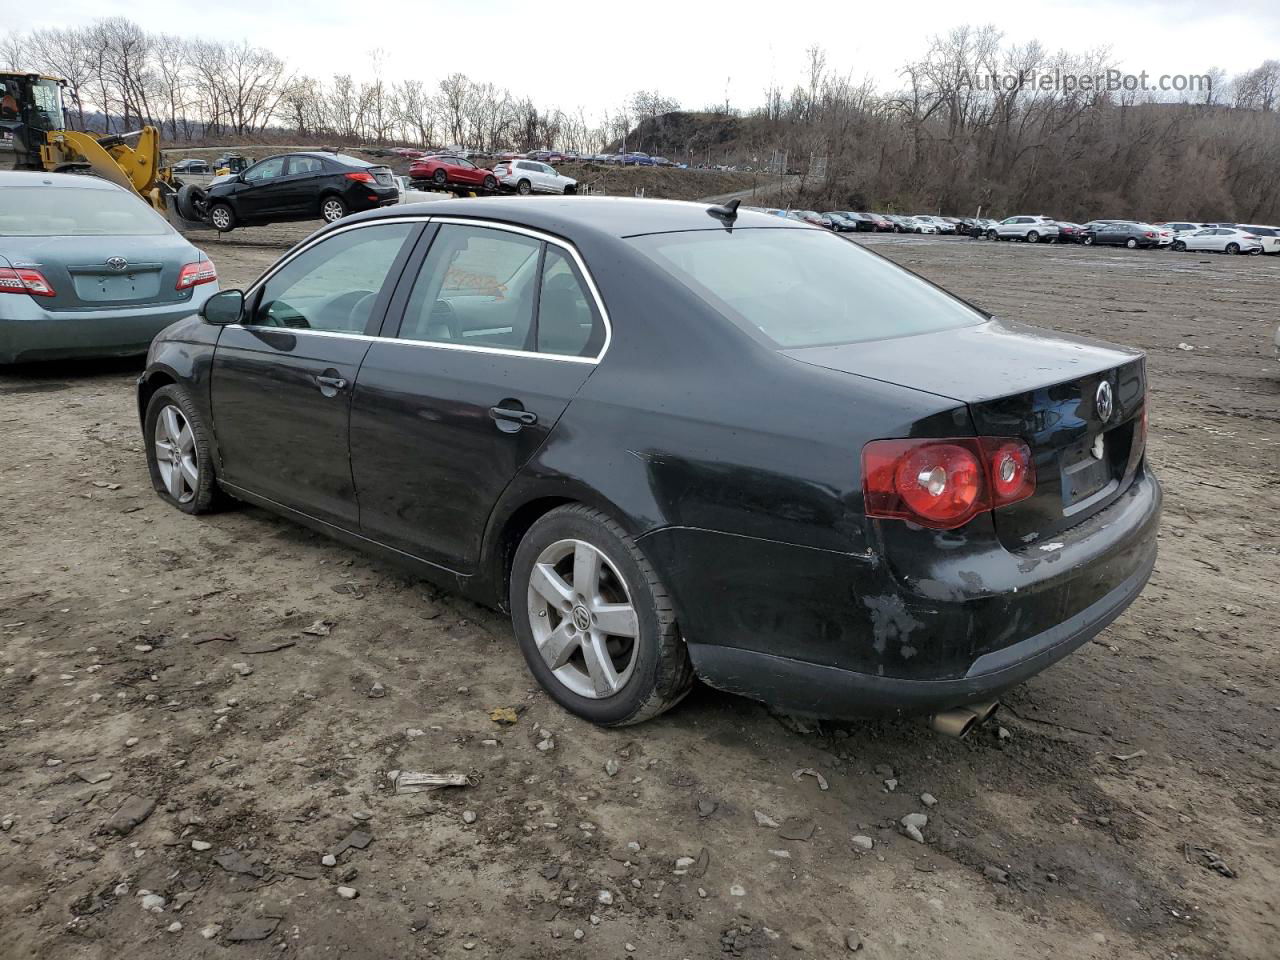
column 34, row 136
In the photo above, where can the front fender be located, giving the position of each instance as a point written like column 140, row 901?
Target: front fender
column 182, row 354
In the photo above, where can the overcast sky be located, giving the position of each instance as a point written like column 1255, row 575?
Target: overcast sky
column 594, row 54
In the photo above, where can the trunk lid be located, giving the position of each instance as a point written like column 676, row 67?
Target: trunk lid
column 103, row 272
column 383, row 176
column 1043, row 387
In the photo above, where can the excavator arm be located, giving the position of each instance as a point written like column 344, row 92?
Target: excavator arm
column 135, row 168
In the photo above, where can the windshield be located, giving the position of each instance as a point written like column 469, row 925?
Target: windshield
column 76, row 212
column 804, row 288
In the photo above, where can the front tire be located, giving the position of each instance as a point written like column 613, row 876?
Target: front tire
column 441, row 176
column 222, row 217
column 491, row 183
column 992, row 235
column 332, row 209
column 1179, row 246
column 190, row 201
column 594, row 622
column 179, row 455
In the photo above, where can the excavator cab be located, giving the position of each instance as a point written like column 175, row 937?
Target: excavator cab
column 30, row 109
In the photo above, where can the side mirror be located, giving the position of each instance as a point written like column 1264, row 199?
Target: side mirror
column 224, row 307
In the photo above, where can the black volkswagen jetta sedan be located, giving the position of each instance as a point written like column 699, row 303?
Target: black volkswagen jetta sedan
column 292, row 186
column 676, row 441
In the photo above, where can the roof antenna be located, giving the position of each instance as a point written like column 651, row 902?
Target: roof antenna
column 726, row 213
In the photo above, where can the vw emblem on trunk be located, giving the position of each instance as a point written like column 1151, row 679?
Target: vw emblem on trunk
column 1103, row 401
column 118, row 264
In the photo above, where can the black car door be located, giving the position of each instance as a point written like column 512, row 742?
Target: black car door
column 489, row 337
column 300, row 186
column 261, row 191
column 280, row 388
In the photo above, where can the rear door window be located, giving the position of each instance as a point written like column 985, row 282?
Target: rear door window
column 332, row 287
column 477, row 287
column 569, row 324
column 305, row 165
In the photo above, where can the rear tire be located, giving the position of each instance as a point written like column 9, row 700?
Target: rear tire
column 524, row 188
column 1088, row 240
column 179, row 454
column 222, row 217
column 1131, row 243
column 1233, row 248
column 648, row 673
column 332, row 209
column 1033, row 237
column 440, row 177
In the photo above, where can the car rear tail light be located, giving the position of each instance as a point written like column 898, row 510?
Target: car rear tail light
column 361, row 177
column 1012, row 473
column 944, row 483
column 25, row 280
column 1249, row 236
column 194, row 274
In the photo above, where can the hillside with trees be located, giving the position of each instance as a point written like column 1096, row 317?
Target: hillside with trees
column 940, row 140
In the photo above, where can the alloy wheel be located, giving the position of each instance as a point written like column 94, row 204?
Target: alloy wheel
column 176, row 454
column 219, row 218
column 332, row 210
column 584, row 623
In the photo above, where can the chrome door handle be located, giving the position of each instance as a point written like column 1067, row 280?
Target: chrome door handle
column 524, row 417
column 335, row 383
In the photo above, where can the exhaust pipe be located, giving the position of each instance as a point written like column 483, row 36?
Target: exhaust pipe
column 983, row 711
column 954, row 723
column 959, row 722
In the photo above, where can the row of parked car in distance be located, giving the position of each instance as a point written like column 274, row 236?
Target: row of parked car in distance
column 631, row 158
column 1178, row 235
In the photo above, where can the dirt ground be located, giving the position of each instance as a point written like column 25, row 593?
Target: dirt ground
column 1123, row 804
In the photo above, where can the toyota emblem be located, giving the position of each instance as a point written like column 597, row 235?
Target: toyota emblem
column 118, row 264
column 1103, row 401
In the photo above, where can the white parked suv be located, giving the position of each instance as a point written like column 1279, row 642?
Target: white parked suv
column 1030, row 229
column 532, row 176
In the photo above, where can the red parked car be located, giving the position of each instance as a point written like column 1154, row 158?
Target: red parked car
column 446, row 169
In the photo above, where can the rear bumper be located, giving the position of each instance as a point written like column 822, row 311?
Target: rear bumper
column 30, row 333
column 832, row 634
column 358, row 199
column 817, row 690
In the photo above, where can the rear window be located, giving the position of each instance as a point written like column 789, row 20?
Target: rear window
column 351, row 161
column 804, row 288
column 76, row 212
